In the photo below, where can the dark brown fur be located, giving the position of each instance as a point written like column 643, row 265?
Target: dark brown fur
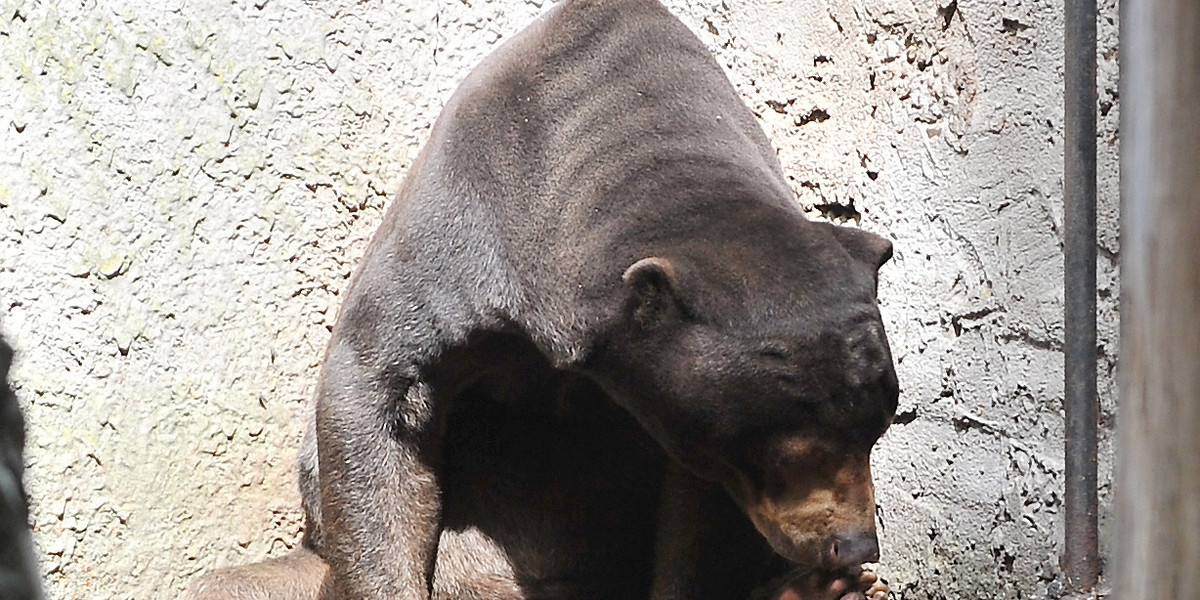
column 19, row 579
column 595, row 280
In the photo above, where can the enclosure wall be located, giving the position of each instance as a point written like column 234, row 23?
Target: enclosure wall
column 185, row 187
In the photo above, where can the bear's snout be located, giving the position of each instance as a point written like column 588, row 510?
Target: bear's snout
column 816, row 535
column 816, row 509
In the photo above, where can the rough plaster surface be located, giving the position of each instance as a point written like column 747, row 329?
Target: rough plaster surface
column 185, row 187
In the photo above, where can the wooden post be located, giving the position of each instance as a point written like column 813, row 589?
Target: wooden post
column 1157, row 544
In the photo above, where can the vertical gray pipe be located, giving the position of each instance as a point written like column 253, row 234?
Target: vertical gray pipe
column 1081, row 562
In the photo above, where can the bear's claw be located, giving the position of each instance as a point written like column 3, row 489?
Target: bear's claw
column 873, row 587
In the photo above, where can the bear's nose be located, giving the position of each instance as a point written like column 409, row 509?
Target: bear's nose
column 851, row 551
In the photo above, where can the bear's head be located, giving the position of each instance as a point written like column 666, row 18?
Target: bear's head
column 765, row 367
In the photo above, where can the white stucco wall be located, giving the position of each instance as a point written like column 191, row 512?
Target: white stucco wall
column 185, row 187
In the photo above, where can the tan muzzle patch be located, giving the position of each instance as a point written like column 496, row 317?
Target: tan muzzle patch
column 819, row 510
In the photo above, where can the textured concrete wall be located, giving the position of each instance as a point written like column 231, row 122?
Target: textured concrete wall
column 186, row 186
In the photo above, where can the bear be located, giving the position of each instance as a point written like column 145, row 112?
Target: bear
column 595, row 350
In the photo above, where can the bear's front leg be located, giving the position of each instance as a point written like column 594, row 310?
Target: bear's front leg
column 380, row 500
column 678, row 539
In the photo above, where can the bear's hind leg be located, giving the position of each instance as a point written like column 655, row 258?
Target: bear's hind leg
column 301, row 575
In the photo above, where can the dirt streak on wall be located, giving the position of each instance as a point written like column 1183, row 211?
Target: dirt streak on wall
column 185, row 187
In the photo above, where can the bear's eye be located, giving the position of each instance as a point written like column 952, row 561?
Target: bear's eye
column 781, row 369
column 775, row 352
column 789, row 378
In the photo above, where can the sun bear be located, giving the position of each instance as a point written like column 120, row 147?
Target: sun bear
column 595, row 350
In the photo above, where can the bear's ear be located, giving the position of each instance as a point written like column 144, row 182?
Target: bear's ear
column 863, row 245
column 651, row 284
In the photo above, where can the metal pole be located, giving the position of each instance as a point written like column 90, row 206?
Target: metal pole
column 1081, row 563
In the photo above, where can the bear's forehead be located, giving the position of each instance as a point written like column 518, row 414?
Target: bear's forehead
column 772, row 324
column 757, row 282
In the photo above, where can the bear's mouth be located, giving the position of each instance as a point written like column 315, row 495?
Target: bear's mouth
column 799, row 549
